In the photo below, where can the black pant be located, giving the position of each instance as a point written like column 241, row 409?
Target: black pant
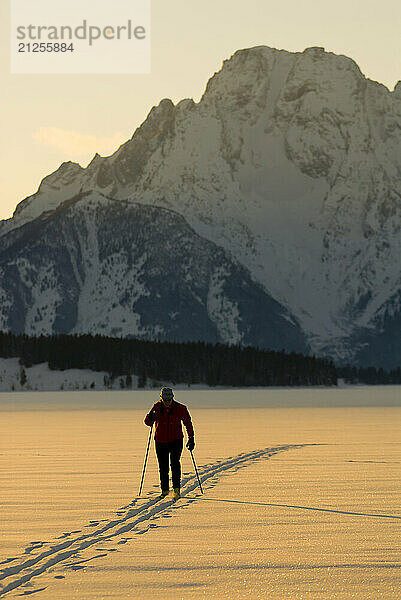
column 174, row 449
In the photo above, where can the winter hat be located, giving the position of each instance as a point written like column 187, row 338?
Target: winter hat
column 166, row 393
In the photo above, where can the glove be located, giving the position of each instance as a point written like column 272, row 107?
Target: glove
column 191, row 444
column 150, row 418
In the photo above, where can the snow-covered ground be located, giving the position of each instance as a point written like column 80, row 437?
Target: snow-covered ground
column 301, row 497
column 14, row 377
column 39, row 378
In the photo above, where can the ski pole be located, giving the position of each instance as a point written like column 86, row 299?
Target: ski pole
column 146, row 460
column 196, row 471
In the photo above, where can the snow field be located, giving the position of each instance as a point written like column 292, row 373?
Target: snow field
column 300, row 502
column 40, row 377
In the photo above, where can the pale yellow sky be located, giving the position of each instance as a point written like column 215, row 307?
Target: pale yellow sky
column 48, row 119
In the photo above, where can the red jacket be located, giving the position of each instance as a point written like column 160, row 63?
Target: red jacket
column 168, row 422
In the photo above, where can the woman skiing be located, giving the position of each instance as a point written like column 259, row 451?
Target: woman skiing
column 167, row 415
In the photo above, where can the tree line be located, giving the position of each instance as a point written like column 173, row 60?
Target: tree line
column 369, row 375
column 188, row 363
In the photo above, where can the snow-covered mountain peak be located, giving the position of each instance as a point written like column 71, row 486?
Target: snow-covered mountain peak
column 247, row 69
column 61, row 185
column 96, row 160
column 157, row 120
column 291, row 162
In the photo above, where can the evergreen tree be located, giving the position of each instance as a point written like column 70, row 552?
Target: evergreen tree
column 22, row 377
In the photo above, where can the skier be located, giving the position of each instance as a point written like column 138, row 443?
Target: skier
column 168, row 414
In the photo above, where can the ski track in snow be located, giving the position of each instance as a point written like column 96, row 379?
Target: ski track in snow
column 134, row 518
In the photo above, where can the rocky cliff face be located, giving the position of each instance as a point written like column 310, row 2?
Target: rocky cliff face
column 291, row 165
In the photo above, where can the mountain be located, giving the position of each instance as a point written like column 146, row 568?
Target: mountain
column 104, row 266
column 290, row 165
